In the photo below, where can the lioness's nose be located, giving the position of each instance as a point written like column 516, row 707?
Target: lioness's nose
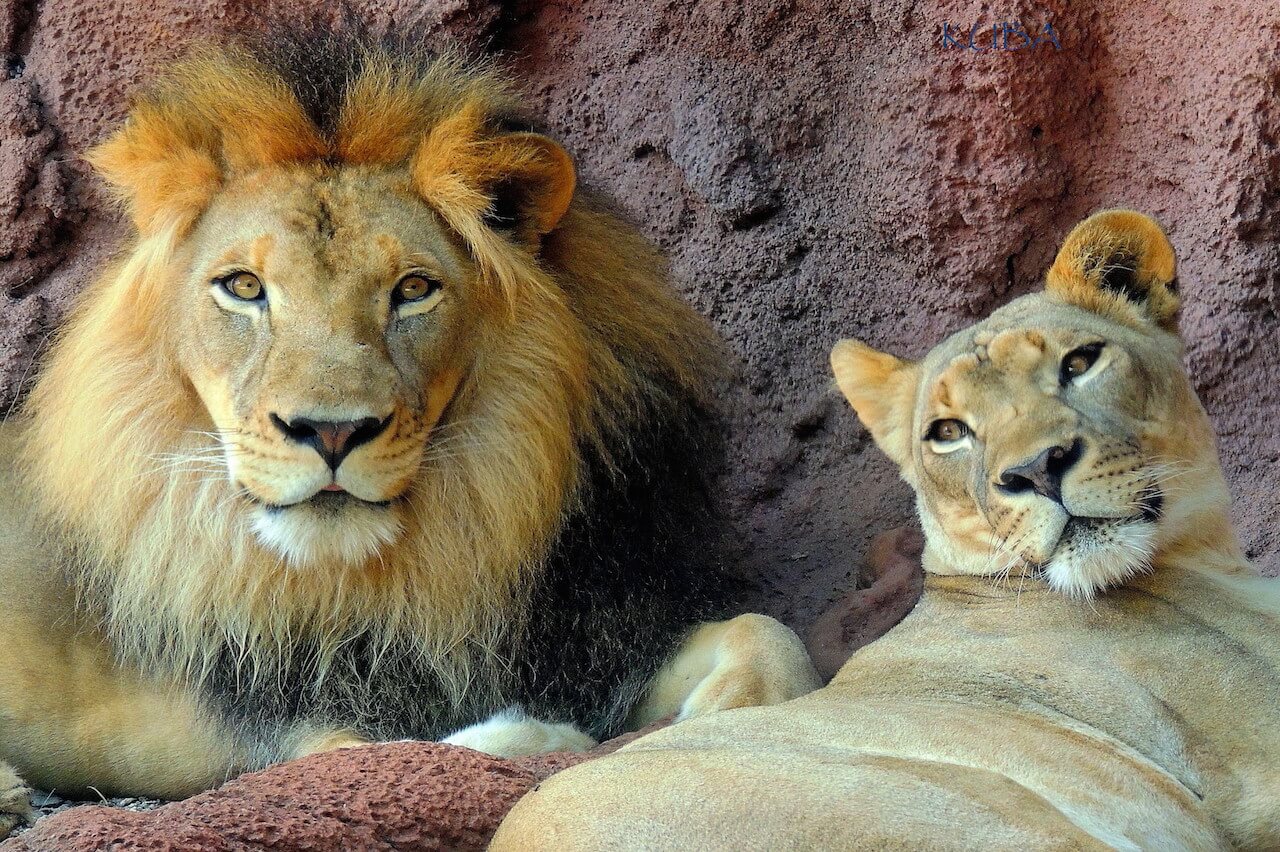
column 1042, row 474
column 333, row 440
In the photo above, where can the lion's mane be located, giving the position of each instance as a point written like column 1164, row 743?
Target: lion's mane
column 569, row 473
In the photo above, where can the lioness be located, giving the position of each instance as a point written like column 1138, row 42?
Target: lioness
column 379, row 429
column 1092, row 664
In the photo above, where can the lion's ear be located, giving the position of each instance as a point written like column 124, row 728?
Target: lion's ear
column 522, row 183
column 1118, row 260
column 163, row 175
column 536, row 192
column 881, row 388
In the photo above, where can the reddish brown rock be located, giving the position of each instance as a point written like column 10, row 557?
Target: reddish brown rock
column 816, row 170
column 401, row 796
column 864, row 615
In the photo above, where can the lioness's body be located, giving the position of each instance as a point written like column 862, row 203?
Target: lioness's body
column 1092, row 663
column 995, row 716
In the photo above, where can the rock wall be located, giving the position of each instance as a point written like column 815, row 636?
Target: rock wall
column 815, row 170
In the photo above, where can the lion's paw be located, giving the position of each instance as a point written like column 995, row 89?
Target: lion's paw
column 759, row 661
column 15, row 801
column 512, row 734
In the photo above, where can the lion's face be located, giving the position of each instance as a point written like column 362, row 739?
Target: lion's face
column 330, row 319
column 1060, row 435
column 347, row 376
column 313, row 288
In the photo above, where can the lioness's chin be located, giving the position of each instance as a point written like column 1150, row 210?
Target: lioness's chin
column 1095, row 554
column 316, row 532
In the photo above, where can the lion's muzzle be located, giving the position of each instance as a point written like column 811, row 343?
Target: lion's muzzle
column 333, row 440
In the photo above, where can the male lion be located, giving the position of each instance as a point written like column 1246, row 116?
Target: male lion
column 378, row 430
column 1092, row 664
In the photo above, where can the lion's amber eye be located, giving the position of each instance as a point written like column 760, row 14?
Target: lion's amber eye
column 243, row 285
column 1078, row 361
column 414, row 288
column 946, row 431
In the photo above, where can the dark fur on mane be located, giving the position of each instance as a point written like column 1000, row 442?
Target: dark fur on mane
column 319, row 62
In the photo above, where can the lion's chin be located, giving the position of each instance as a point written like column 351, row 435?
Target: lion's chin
column 326, row 532
column 1095, row 554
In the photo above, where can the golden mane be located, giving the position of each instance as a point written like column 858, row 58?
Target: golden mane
column 585, row 334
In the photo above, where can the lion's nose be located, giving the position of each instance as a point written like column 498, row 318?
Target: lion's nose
column 1042, row 474
column 333, row 440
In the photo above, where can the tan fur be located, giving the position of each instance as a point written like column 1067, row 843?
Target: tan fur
column 15, row 801
column 1134, row 711
column 746, row 661
column 148, row 447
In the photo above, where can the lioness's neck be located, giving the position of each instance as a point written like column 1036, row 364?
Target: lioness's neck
column 1209, row 546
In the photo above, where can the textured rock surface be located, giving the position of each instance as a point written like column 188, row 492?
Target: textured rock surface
column 397, row 796
column 815, row 170
column 863, row 615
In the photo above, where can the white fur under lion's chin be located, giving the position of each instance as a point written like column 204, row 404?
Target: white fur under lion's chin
column 304, row 536
column 1094, row 556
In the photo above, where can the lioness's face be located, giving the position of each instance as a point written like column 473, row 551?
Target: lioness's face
column 1059, row 436
column 1043, row 439
column 330, row 313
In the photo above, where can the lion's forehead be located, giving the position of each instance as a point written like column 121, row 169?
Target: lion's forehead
column 338, row 221
column 307, row 228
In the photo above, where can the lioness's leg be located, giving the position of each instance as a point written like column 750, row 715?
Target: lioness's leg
column 15, row 800
column 705, row 798
column 829, row 771
column 743, row 662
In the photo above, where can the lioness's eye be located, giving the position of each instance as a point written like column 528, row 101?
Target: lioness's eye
column 1078, row 361
column 245, row 286
column 414, row 288
column 946, row 431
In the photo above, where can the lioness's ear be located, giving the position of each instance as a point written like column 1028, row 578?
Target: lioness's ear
column 882, row 389
column 519, row 182
column 1118, row 262
column 163, row 176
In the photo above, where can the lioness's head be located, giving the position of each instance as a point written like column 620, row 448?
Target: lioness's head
column 322, row 276
column 1061, row 435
